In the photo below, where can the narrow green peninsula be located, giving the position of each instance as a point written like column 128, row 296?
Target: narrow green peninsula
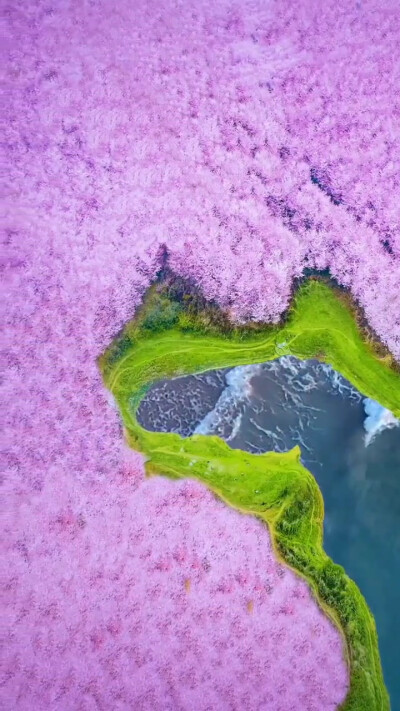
column 176, row 332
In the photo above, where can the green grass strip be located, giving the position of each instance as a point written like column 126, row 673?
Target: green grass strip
column 173, row 335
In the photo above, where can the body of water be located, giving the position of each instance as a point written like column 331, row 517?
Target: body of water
column 350, row 444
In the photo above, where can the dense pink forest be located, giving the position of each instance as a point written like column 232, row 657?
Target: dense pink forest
column 252, row 140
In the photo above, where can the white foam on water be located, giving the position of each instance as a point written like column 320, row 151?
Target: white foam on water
column 303, row 376
column 294, row 376
column 339, row 383
column 236, row 427
column 225, row 412
column 276, row 436
column 378, row 418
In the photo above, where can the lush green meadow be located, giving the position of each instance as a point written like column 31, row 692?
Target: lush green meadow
column 177, row 332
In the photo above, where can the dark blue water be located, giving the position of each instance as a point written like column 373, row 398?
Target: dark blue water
column 276, row 405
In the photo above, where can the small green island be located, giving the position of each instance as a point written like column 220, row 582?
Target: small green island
column 177, row 332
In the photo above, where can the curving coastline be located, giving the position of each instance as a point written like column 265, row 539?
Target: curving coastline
column 168, row 339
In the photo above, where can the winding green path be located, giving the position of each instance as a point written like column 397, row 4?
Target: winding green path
column 168, row 339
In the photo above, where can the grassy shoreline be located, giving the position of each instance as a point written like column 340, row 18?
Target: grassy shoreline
column 177, row 332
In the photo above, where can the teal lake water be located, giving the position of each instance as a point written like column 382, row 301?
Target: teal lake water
column 277, row 405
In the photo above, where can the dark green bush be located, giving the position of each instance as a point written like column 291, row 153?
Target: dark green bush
column 163, row 314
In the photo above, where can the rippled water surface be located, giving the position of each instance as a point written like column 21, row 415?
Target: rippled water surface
column 355, row 459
